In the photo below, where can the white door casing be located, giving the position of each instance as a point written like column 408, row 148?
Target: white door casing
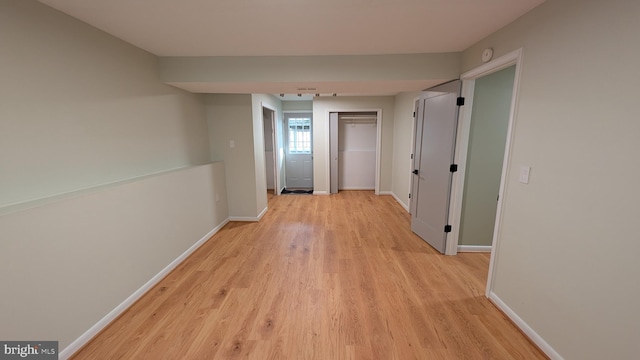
column 333, row 152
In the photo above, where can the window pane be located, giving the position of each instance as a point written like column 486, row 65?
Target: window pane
column 299, row 135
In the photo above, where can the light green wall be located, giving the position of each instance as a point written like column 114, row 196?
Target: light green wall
column 566, row 261
column 321, row 108
column 80, row 108
column 402, row 141
column 483, row 169
column 230, row 118
column 65, row 265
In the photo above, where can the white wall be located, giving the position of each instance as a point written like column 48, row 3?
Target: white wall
column 567, row 258
column 357, row 154
column 321, row 108
column 66, row 264
column 79, row 108
column 402, row 143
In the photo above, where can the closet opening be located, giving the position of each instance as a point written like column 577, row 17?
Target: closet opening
column 354, row 150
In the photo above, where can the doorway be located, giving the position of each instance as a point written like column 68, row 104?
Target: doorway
column 298, row 153
column 469, row 78
column 270, row 156
column 485, row 156
column 354, row 138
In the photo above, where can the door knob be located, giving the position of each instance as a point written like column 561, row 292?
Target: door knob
column 415, row 171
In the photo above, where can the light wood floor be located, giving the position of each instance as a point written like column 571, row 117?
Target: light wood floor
column 319, row 277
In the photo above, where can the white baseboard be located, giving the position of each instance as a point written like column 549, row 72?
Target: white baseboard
column 526, row 329
column 262, row 213
column 244, row 218
column 113, row 314
column 356, row 188
column 404, row 206
column 316, row 192
column 474, row 248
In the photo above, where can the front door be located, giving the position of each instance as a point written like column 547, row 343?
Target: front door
column 436, row 125
column 299, row 159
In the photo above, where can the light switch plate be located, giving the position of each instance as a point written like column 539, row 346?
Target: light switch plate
column 525, row 171
column 232, row 144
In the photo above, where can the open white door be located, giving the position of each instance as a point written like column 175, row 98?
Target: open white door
column 436, row 126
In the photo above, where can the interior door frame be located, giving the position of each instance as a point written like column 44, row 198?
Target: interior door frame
column 414, row 124
column 276, row 152
column 464, row 129
column 378, row 112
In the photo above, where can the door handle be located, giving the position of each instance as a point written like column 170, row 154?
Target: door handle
column 415, row 171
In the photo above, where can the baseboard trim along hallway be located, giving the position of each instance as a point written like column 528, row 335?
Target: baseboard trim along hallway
column 319, row 277
column 116, row 312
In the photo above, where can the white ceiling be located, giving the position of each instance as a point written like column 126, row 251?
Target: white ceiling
column 296, row 27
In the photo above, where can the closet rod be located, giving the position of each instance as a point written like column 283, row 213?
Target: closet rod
column 367, row 117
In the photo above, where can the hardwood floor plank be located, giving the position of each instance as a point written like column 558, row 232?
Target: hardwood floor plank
column 319, row 277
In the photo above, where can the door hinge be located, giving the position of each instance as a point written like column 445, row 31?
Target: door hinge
column 447, row 228
column 409, row 195
column 460, row 101
column 453, row 167
column 414, row 114
column 411, row 156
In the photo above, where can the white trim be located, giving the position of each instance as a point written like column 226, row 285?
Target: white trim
column 416, row 104
column 378, row 152
column 316, row 192
column 514, row 57
column 404, row 206
column 474, row 248
column 244, row 218
column 274, row 145
column 525, row 328
column 327, row 139
column 358, row 188
column 78, row 343
column 264, row 211
column 495, row 65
